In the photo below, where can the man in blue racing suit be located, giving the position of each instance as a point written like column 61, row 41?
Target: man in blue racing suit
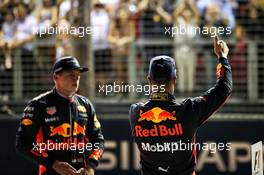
column 161, row 124
column 59, row 129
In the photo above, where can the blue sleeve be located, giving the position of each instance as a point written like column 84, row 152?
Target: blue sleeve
column 208, row 103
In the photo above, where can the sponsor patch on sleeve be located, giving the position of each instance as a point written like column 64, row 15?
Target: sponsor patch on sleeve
column 220, row 70
column 26, row 122
column 81, row 109
column 96, row 154
column 96, row 122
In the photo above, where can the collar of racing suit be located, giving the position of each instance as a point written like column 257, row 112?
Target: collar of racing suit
column 162, row 96
column 63, row 97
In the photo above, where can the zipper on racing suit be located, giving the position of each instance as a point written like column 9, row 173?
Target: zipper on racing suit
column 73, row 153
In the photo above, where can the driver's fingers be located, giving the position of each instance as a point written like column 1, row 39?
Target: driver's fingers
column 69, row 171
column 70, row 167
column 222, row 43
column 215, row 40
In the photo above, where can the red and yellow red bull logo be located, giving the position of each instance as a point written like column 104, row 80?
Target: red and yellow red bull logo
column 65, row 130
column 156, row 115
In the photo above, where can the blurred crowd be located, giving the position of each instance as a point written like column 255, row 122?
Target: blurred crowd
column 117, row 23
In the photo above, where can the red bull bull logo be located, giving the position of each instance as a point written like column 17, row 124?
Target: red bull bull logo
column 156, row 115
column 78, row 129
column 65, row 130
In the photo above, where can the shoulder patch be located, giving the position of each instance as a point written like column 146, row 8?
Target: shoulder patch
column 26, row 122
column 81, row 108
column 96, row 122
column 220, row 70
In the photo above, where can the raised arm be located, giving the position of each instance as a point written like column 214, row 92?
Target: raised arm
column 208, row 103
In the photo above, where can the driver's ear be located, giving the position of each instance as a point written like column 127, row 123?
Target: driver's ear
column 55, row 76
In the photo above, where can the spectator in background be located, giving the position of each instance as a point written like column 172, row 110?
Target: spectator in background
column 213, row 19
column 1, row 22
column 261, row 4
column 6, row 35
column 8, row 31
column 100, row 22
column 186, row 15
column 64, row 7
column 8, row 27
column 1, row 37
column 239, row 63
column 63, row 43
column 6, row 5
column 6, row 73
column 31, row 5
column 26, row 26
column 24, row 34
column 224, row 6
column 122, row 32
column 46, row 15
column 3, row 4
column 10, row 4
column 154, row 15
column 110, row 5
column 252, row 19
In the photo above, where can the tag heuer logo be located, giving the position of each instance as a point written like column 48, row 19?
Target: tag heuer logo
column 51, row 110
